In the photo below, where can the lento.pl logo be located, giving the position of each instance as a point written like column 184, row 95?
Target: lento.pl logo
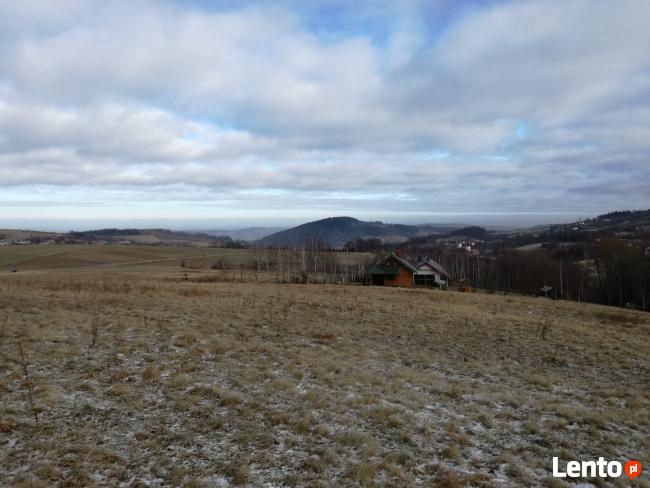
column 596, row 469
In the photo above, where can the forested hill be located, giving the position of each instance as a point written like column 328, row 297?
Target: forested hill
column 336, row 231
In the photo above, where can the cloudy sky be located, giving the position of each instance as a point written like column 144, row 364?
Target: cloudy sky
column 275, row 112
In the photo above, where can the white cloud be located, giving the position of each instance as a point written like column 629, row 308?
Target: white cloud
column 157, row 94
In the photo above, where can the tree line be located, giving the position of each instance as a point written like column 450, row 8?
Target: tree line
column 310, row 261
column 608, row 271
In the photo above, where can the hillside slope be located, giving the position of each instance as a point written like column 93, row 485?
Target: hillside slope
column 336, row 231
column 245, row 233
column 251, row 384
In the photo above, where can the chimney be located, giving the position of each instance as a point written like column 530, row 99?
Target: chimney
column 397, row 252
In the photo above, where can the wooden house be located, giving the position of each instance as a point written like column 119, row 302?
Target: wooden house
column 393, row 271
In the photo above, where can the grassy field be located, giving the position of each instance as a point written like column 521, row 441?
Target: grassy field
column 139, row 377
column 43, row 258
column 35, row 257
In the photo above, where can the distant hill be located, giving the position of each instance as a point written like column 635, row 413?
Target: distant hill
column 471, row 231
column 145, row 236
column 626, row 215
column 636, row 222
column 631, row 224
column 336, row 231
column 244, row 234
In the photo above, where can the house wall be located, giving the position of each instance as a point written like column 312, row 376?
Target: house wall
column 430, row 276
column 429, row 272
column 426, row 269
column 404, row 279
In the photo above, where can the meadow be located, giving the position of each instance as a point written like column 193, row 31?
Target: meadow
column 40, row 258
column 146, row 373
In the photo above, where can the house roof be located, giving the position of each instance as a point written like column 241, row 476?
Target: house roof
column 433, row 264
column 378, row 269
column 382, row 268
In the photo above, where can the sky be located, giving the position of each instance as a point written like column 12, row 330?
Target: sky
column 236, row 113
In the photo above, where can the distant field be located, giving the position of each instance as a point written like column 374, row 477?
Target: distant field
column 36, row 257
column 141, row 378
column 61, row 256
column 530, row 247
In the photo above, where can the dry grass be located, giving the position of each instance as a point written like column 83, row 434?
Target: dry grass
column 143, row 378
